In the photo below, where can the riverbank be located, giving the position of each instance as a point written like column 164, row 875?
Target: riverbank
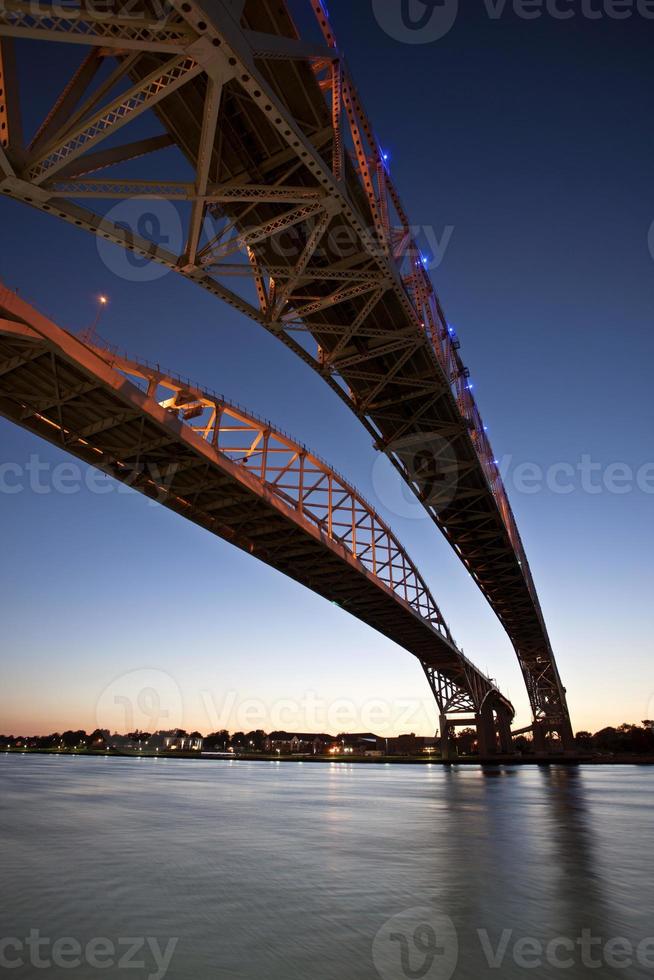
column 394, row 760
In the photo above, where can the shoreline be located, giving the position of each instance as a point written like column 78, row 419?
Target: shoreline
column 499, row 761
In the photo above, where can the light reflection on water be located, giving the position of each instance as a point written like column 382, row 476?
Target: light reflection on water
column 288, row 872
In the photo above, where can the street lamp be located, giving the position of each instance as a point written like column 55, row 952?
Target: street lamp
column 89, row 333
column 102, row 302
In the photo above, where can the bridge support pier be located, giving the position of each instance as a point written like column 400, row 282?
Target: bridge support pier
column 540, row 738
column 486, row 734
column 567, row 738
column 504, row 730
column 566, row 743
column 445, row 731
column 472, row 703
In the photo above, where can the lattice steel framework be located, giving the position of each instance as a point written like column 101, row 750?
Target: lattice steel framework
column 295, row 475
column 230, row 472
column 293, row 199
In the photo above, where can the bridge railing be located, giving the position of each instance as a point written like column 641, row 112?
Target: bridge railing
column 294, row 474
column 402, row 250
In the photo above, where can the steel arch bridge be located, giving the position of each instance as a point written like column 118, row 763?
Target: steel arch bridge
column 291, row 217
column 235, row 475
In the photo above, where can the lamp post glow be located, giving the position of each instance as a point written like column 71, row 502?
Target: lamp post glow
column 102, row 302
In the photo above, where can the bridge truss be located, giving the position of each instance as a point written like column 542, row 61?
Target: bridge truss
column 292, row 217
column 240, row 478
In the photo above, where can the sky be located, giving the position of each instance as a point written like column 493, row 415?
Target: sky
column 526, row 148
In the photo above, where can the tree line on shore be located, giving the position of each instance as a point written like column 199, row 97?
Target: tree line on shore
column 626, row 739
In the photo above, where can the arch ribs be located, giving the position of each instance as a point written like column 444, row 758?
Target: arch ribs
column 229, row 471
column 287, row 168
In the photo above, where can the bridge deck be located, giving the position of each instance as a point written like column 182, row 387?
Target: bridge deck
column 284, row 157
column 416, row 398
column 403, row 396
column 60, row 389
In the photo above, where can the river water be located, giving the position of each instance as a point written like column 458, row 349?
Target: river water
column 272, row 871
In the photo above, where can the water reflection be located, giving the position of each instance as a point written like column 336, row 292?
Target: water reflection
column 285, row 872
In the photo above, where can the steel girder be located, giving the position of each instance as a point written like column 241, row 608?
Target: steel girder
column 227, row 470
column 291, row 177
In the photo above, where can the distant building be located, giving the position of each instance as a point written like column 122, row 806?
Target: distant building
column 411, row 745
column 362, row 743
column 175, row 742
column 122, row 742
column 297, row 743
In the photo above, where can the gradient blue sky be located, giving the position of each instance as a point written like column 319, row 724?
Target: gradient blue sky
column 534, row 141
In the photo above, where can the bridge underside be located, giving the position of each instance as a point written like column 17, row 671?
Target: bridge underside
column 289, row 171
column 384, row 344
column 61, row 390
